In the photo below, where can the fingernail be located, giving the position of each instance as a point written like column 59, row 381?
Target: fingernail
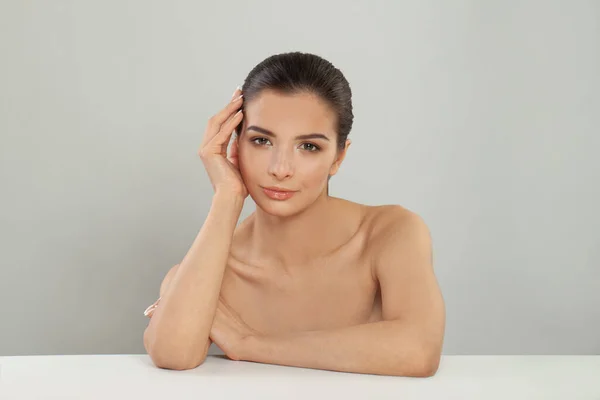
column 236, row 89
column 237, row 98
column 152, row 306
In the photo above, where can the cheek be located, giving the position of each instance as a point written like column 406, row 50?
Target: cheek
column 249, row 162
column 314, row 173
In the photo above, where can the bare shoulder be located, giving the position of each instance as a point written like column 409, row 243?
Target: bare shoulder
column 382, row 221
column 393, row 225
column 391, row 216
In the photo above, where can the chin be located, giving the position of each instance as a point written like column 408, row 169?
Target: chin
column 278, row 208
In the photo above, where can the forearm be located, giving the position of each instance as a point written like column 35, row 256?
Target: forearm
column 382, row 348
column 178, row 333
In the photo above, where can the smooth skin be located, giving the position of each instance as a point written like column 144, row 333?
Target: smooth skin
column 314, row 281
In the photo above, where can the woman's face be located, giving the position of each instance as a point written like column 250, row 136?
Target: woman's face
column 288, row 141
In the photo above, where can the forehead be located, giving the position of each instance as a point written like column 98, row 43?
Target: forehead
column 291, row 114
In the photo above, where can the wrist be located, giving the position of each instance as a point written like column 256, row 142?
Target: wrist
column 224, row 198
column 225, row 210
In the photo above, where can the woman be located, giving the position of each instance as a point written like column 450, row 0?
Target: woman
column 308, row 279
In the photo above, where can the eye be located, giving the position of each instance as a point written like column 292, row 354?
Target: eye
column 254, row 140
column 312, row 147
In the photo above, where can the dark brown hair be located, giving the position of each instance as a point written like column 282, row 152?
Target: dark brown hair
column 304, row 72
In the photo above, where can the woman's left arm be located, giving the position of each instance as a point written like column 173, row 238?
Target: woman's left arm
column 409, row 339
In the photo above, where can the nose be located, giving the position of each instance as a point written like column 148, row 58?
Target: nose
column 281, row 166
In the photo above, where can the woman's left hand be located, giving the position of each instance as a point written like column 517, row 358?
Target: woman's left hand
column 231, row 333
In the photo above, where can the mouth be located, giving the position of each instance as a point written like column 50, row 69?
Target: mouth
column 276, row 193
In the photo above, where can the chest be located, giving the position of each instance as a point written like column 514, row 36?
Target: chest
column 336, row 293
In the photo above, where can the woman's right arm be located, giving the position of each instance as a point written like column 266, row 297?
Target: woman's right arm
column 178, row 335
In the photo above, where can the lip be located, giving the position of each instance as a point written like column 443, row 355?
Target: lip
column 277, row 193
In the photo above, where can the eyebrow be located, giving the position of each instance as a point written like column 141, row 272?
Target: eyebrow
column 269, row 133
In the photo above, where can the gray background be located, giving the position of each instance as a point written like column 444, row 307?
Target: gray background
column 482, row 117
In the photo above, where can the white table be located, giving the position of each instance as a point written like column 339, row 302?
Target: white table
column 135, row 377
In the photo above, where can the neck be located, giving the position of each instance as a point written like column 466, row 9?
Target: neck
column 301, row 238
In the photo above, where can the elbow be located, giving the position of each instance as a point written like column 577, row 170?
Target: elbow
column 421, row 364
column 176, row 363
column 428, row 370
column 427, row 364
column 171, row 359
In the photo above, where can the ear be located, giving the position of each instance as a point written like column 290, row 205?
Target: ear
column 340, row 158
